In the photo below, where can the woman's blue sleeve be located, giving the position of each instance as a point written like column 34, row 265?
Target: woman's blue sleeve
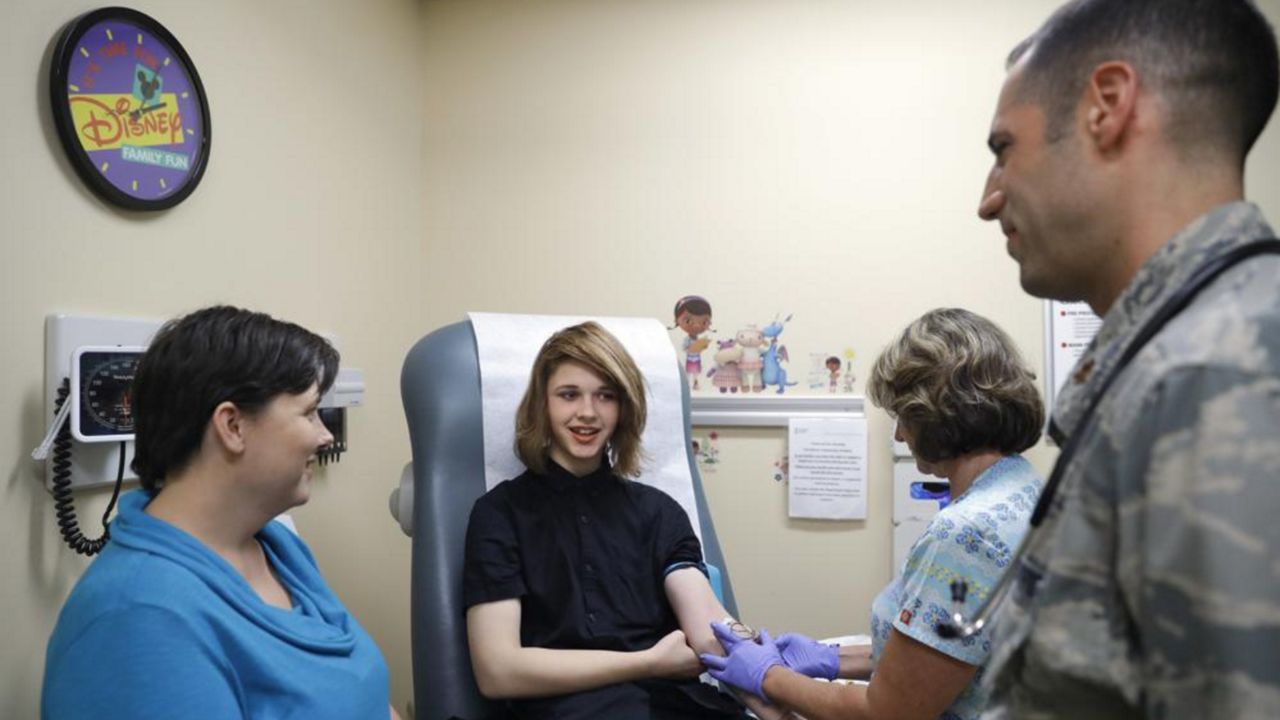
column 142, row 662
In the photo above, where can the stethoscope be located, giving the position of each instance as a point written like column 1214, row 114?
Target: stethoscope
column 958, row 626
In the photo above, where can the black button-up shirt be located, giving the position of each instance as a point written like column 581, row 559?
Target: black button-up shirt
column 585, row 556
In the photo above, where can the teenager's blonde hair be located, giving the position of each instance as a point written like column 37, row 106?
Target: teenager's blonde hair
column 597, row 349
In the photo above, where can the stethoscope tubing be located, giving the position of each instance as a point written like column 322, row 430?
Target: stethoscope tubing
column 960, row 626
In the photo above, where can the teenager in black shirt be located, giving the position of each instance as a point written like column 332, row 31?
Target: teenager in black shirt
column 585, row 591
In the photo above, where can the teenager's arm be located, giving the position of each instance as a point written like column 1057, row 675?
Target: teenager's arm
column 696, row 607
column 504, row 669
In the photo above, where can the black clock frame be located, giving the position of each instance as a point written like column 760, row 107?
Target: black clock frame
column 59, row 78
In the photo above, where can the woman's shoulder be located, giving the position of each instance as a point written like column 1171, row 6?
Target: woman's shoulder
column 983, row 527
column 121, row 582
column 1009, row 489
column 110, row 632
column 129, row 573
column 1011, row 474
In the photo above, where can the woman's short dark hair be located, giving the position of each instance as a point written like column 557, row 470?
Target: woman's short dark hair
column 958, row 384
column 216, row 355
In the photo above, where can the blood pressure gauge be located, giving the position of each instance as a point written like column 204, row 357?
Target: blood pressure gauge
column 102, row 393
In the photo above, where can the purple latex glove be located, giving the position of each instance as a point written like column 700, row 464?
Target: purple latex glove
column 809, row 657
column 747, row 662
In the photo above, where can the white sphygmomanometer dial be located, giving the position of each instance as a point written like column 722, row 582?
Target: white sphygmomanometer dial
column 102, row 393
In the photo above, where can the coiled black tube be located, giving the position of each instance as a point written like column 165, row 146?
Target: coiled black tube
column 63, row 502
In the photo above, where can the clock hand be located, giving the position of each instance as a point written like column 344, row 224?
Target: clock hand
column 142, row 110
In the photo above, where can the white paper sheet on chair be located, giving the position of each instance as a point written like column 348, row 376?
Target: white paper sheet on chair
column 507, row 345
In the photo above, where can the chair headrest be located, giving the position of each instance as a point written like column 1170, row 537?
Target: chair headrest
column 506, row 346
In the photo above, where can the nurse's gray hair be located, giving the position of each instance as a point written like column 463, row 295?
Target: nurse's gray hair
column 958, row 385
column 598, row 350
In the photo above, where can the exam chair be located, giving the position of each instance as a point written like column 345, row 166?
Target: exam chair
column 441, row 391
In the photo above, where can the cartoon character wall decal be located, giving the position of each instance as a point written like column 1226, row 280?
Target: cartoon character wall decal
column 773, row 374
column 832, row 372
column 751, row 359
column 725, row 375
column 693, row 316
column 833, row 367
column 706, row 452
column 751, row 340
column 849, row 376
column 782, row 468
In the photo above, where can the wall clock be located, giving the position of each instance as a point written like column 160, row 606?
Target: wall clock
column 129, row 109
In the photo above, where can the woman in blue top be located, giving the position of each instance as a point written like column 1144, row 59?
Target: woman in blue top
column 966, row 405
column 201, row 606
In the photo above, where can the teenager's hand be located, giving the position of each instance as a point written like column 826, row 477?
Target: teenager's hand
column 671, row 657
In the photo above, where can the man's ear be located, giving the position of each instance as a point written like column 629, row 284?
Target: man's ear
column 1111, row 100
column 228, row 426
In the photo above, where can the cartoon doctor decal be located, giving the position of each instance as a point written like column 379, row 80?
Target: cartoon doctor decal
column 693, row 316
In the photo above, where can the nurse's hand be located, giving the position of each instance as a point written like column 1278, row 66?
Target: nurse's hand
column 809, row 657
column 671, row 657
column 746, row 665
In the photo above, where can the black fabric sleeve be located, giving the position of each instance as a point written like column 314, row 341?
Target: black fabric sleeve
column 675, row 541
column 492, row 569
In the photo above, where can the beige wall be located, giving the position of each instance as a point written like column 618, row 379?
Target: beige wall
column 310, row 210
column 817, row 158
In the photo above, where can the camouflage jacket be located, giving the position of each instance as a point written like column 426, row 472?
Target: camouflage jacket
column 1153, row 587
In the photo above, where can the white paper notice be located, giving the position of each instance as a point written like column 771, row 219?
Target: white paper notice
column 828, row 473
column 1069, row 328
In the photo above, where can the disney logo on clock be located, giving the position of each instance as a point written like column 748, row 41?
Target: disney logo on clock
column 106, row 121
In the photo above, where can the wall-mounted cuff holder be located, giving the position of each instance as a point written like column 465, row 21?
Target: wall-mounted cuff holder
column 347, row 391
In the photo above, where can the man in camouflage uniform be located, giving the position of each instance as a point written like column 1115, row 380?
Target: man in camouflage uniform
column 1152, row 589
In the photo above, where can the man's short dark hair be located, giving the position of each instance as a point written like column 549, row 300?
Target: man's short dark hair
column 216, row 355
column 1213, row 62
